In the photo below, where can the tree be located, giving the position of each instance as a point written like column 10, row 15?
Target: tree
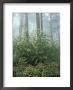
column 51, row 29
column 54, row 25
column 21, row 24
column 26, row 26
column 41, row 21
column 38, row 23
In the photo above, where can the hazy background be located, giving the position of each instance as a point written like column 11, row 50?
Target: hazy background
column 50, row 24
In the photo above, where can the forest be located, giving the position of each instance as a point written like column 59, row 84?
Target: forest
column 36, row 44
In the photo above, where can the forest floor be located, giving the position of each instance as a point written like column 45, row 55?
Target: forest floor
column 40, row 70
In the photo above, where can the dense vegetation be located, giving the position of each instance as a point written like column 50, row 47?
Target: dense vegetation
column 35, row 56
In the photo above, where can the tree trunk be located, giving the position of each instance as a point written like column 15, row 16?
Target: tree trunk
column 52, row 42
column 41, row 21
column 26, row 26
column 38, row 23
column 21, row 25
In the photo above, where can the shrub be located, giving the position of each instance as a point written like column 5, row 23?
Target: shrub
column 34, row 56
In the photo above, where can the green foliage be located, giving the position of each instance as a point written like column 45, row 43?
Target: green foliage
column 32, row 57
column 40, row 70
